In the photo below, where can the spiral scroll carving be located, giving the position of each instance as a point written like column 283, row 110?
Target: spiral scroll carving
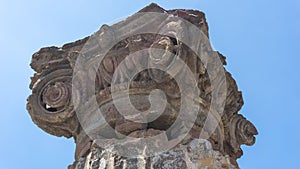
column 57, row 95
column 242, row 131
column 50, row 103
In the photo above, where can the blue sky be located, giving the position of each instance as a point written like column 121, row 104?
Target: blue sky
column 259, row 38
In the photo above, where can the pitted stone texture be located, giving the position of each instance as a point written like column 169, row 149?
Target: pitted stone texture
column 198, row 154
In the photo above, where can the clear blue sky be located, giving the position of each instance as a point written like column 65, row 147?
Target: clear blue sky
column 261, row 39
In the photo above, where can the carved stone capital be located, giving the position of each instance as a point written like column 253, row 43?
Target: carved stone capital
column 53, row 104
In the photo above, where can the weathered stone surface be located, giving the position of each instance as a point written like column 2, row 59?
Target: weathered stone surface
column 197, row 154
column 53, row 99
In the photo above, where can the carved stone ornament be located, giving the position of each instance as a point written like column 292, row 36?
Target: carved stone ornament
column 146, row 92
